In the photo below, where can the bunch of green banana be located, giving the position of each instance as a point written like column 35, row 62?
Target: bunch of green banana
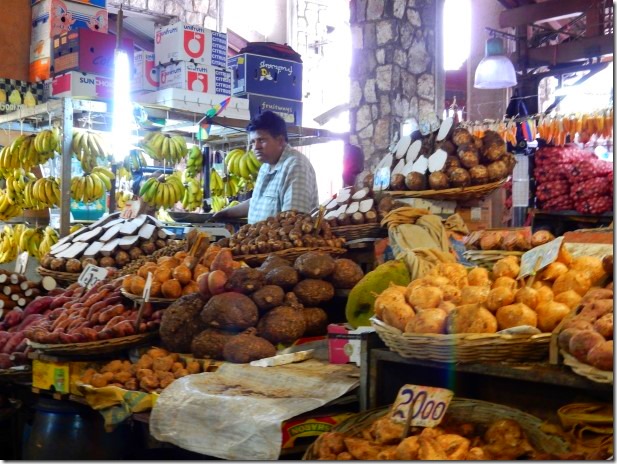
column 242, row 163
column 46, row 143
column 9, row 242
column 164, row 147
column 122, row 196
column 194, row 161
column 87, row 147
column 7, row 210
column 193, row 195
column 231, row 186
column 16, row 186
column 163, row 191
column 45, row 191
column 218, row 203
column 91, row 187
column 216, row 183
column 135, row 161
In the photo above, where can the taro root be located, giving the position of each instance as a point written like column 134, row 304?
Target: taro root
column 479, row 175
column 245, row 280
column 268, row 297
column 415, row 181
column 181, row 321
column 397, row 182
column 459, row 177
column 312, row 292
column 497, row 171
column 438, row 181
column 247, row 347
column 316, row 321
column 314, row 265
column 346, row 273
column 461, row 136
column 469, row 156
column 230, row 311
column 282, row 324
column 210, row 342
column 284, row 276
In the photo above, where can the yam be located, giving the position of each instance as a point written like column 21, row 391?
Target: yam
column 427, row 321
column 582, row 342
column 515, row 315
column 550, row 315
column 601, row 356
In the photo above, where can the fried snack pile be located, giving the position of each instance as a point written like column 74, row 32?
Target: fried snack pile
column 155, row 370
column 504, row 439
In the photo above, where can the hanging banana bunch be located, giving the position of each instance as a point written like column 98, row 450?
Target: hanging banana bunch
column 163, row 191
column 242, row 163
column 164, row 147
column 194, row 161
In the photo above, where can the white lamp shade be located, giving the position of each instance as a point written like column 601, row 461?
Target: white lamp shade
column 495, row 72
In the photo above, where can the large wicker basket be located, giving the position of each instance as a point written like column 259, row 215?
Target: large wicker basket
column 480, row 413
column 585, row 370
column 111, row 345
column 474, row 192
column 359, row 231
column 289, row 254
column 464, row 347
column 62, row 277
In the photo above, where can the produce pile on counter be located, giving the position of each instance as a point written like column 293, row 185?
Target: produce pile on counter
column 154, row 370
column 588, row 336
column 507, row 240
column 568, row 178
column 241, row 315
column 111, row 242
column 352, row 207
column 286, row 230
column 452, row 299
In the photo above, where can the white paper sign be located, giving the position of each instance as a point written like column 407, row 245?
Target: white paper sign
column 21, row 262
column 427, row 405
column 91, row 275
column 545, row 254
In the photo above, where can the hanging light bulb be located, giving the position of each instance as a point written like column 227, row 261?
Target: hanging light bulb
column 495, row 71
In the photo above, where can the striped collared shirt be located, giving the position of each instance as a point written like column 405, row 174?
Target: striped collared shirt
column 288, row 185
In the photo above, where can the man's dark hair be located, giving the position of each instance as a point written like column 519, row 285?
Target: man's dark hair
column 270, row 122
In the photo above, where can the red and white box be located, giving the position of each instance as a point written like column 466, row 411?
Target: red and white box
column 345, row 343
column 194, row 77
column 185, row 42
column 145, row 72
column 82, row 85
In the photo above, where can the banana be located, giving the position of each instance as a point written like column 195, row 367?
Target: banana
column 105, row 171
column 243, row 166
column 103, row 178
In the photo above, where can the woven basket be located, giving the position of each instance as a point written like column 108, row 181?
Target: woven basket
column 585, row 370
column 358, row 231
column 64, row 277
column 474, row 192
column 457, row 348
column 289, row 254
column 91, row 348
column 481, row 413
column 139, row 299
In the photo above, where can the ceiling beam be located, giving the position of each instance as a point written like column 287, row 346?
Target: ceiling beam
column 565, row 52
column 529, row 14
column 138, row 41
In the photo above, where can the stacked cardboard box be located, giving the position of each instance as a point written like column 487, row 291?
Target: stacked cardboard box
column 191, row 58
column 269, row 84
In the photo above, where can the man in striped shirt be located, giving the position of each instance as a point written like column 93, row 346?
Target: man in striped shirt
column 286, row 180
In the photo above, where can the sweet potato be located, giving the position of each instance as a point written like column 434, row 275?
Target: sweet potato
column 60, row 301
column 601, row 356
column 5, row 361
column 13, row 317
column 107, row 314
column 582, row 342
column 38, row 305
column 13, row 342
column 113, row 321
column 123, row 329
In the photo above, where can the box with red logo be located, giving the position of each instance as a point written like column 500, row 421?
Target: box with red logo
column 345, row 342
column 198, row 78
column 87, row 51
column 145, row 72
column 185, row 42
column 76, row 84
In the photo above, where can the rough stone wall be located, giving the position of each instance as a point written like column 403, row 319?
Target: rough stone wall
column 198, row 12
column 392, row 71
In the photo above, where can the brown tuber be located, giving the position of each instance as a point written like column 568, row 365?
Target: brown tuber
column 314, row 265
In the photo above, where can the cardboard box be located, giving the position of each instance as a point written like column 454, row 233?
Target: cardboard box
column 477, row 215
column 344, row 343
column 19, row 88
column 60, row 377
column 97, row 3
column 146, row 73
column 87, row 51
column 185, row 42
column 198, row 78
column 289, row 110
column 82, row 85
column 265, row 75
column 303, row 430
column 54, row 17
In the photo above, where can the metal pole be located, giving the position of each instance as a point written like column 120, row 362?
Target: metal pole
column 65, row 168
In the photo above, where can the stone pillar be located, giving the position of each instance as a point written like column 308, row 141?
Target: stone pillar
column 393, row 69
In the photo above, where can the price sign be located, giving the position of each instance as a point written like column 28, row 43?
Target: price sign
column 421, row 406
column 91, row 275
column 131, row 209
column 147, row 287
column 539, row 257
column 21, row 262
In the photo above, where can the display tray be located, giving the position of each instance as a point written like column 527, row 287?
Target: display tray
column 66, row 277
column 289, row 254
column 473, row 192
column 139, row 299
column 194, row 218
column 358, row 231
column 97, row 347
column 456, row 348
column 481, row 413
column 585, row 370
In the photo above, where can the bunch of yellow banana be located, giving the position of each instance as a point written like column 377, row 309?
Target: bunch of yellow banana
column 216, row 183
column 164, row 147
column 122, row 196
column 93, row 186
column 218, row 203
column 193, row 195
column 9, row 242
column 246, row 185
column 16, row 186
column 163, row 191
column 162, row 215
column 46, row 143
column 87, row 147
column 37, row 242
column 135, row 161
column 242, row 163
column 7, row 210
column 124, row 173
column 194, row 161
column 231, row 186
column 45, row 192
column 50, row 238
column 22, row 148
